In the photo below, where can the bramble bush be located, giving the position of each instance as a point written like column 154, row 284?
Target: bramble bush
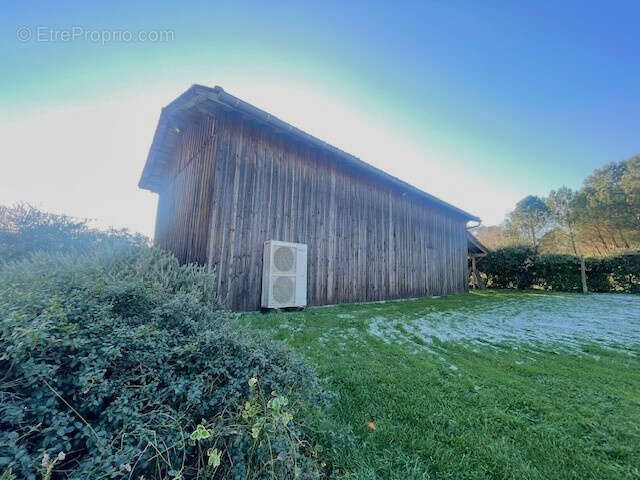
column 523, row 268
column 120, row 363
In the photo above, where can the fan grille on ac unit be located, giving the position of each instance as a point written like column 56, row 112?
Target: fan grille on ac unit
column 284, row 259
column 284, row 289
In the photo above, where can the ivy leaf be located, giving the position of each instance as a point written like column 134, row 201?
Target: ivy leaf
column 257, row 427
column 200, row 433
column 214, row 457
column 286, row 418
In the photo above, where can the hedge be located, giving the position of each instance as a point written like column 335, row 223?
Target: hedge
column 524, row 268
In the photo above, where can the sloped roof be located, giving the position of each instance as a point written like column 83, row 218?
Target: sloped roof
column 207, row 100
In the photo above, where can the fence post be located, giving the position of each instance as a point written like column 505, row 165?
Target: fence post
column 583, row 275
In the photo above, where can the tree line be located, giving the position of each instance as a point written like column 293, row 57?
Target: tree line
column 600, row 219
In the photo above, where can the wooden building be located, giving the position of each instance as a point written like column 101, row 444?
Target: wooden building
column 231, row 176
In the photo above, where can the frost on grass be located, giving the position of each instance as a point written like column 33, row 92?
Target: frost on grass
column 339, row 338
column 564, row 321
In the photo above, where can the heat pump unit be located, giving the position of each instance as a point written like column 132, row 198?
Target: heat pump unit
column 284, row 275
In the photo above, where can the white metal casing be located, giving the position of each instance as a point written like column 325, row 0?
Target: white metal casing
column 284, row 274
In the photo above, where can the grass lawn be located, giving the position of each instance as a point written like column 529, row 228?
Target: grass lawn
column 518, row 385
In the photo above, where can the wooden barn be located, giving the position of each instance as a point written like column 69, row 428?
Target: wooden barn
column 231, row 177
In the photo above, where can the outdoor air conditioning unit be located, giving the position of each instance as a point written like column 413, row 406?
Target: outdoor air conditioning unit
column 284, row 275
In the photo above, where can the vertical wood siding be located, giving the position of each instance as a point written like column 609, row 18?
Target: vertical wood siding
column 234, row 185
column 184, row 205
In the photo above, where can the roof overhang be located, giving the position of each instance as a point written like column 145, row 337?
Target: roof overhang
column 199, row 99
column 475, row 247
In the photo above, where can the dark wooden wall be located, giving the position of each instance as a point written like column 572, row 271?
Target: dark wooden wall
column 234, row 185
column 184, row 205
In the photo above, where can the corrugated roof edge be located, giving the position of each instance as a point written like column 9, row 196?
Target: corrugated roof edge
column 197, row 93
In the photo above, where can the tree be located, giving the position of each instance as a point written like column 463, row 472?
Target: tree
column 494, row 236
column 602, row 218
column 562, row 211
column 630, row 184
column 606, row 206
column 529, row 220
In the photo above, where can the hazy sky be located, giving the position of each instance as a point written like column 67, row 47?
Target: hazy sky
column 479, row 103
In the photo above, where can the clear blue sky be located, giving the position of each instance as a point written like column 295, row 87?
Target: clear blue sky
column 480, row 103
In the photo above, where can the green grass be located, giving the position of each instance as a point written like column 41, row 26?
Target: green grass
column 462, row 410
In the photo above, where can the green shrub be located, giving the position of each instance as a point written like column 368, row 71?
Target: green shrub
column 119, row 363
column 25, row 230
column 624, row 272
column 522, row 267
column 598, row 273
column 510, row 267
column 558, row 272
